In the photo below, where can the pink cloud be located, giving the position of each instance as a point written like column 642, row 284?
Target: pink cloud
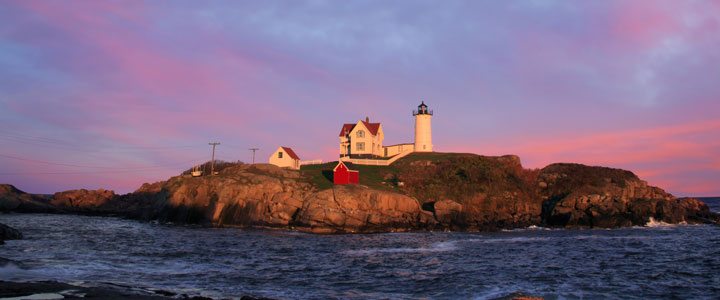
column 572, row 142
column 640, row 24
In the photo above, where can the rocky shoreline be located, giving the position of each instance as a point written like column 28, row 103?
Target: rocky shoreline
column 107, row 291
column 435, row 191
column 50, row 290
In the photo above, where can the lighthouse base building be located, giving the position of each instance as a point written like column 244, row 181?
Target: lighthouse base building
column 362, row 142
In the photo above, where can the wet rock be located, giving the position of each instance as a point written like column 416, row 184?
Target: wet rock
column 59, row 290
column 519, row 296
column 447, row 212
column 9, row 233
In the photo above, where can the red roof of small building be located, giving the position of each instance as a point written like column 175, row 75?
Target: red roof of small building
column 372, row 127
column 340, row 162
column 290, row 152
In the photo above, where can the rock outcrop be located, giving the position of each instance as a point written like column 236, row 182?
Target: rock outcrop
column 12, row 199
column 360, row 209
column 244, row 195
column 268, row 196
column 581, row 196
column 433, row 191
column 472, row 192
column 8, row 233
column 82, row 199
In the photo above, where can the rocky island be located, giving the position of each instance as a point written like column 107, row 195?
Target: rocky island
column 423, row 191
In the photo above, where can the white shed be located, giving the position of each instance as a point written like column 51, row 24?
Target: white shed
column 285, row 157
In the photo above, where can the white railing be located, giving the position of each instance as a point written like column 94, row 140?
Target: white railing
column 311, row 162
column 376, row 162
column 399, row 156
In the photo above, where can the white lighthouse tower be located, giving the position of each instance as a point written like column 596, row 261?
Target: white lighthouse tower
column 423, row 130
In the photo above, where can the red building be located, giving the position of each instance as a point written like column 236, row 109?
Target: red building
column 343, row 175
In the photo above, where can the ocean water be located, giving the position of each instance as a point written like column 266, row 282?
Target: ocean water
column 660, row 261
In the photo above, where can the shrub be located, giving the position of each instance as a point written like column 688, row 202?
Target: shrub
column 219, row 166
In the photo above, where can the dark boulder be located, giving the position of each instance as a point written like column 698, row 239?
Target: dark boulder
column 9, row 233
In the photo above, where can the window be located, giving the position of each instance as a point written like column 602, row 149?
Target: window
column 360, row 134
column 279, row 154
column 360, row 146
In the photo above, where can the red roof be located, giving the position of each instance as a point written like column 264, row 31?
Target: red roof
column 372, row 127
column 346, row 129
column 290, row 152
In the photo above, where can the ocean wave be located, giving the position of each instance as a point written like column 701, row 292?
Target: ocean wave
column 446, row 246
column 512, row 292
column 508, row 240
column 603, row 237
column 435, row 247
column 10, row 270
column 531, row 228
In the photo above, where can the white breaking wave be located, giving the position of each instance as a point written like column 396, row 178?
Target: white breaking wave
column 655, row 223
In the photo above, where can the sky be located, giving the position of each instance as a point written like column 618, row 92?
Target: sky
column 112, row 94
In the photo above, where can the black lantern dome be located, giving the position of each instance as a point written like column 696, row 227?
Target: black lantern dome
column 422, row 110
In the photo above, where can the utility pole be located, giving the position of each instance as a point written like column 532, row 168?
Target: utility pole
column 212, row 164
column 253, row 150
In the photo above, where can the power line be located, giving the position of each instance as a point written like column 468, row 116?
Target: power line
column 44, row 142
column 15, row 133
column 82, row 172
column 51, row 163
column 110, row 169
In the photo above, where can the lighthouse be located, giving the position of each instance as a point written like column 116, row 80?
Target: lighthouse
column 423, row 130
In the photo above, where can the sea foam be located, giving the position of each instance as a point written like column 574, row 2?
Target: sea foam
column 655, row 223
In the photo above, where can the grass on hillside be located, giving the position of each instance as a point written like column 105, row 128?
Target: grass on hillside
column 372, row 176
